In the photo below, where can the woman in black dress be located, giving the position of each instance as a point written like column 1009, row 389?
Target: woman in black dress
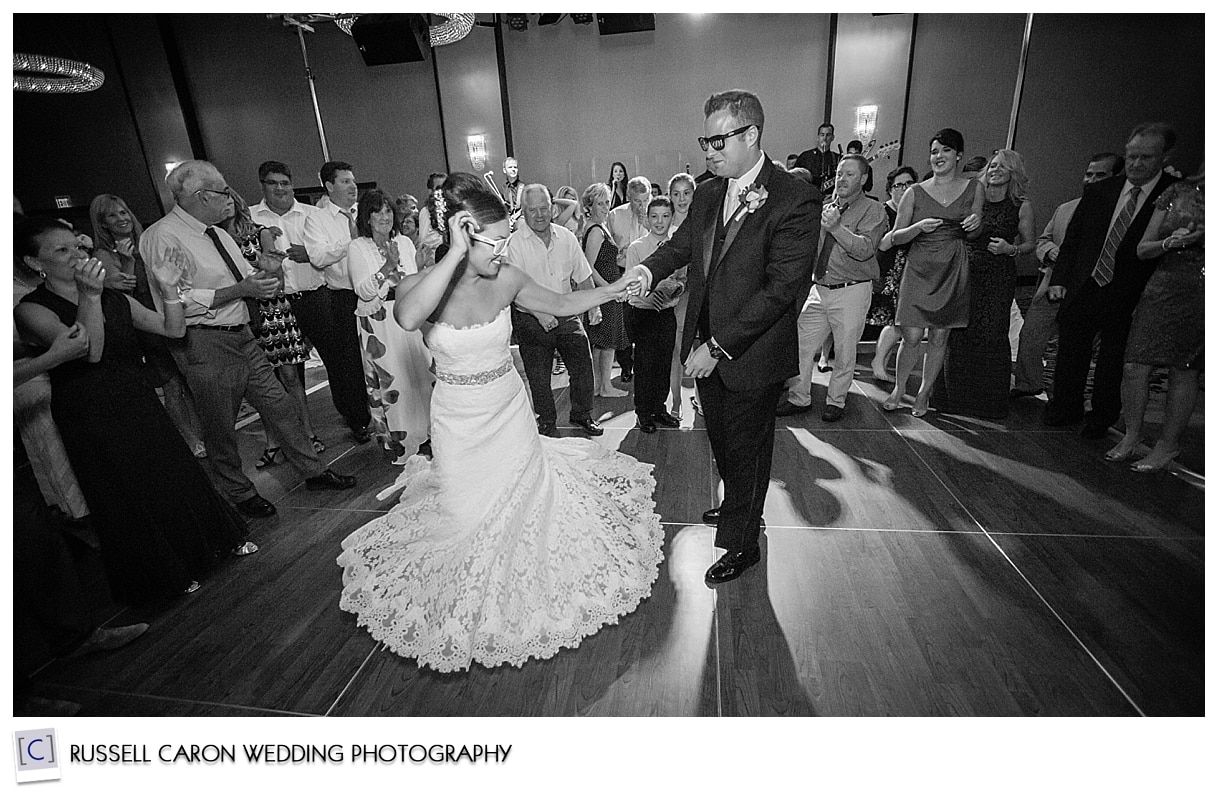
column 617, row 185
column 609, row 334
column 1169, row 323
column 976, row 378
column 160, row 520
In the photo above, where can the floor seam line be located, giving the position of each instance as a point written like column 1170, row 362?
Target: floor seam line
column 351, row 680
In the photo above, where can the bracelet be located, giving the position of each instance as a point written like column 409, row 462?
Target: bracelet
column 1163, row 244
column 1014, row 251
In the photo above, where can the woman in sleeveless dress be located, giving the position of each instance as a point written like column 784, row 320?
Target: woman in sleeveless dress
column 883, row 310
column 976, row 377
column 1169, row 323
column 935, row 216
column 160, row 521
column 509, row 545
column 609, row 334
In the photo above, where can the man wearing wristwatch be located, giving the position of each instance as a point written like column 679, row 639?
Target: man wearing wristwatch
column 749, row 241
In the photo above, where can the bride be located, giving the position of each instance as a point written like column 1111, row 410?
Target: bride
column 509, row 545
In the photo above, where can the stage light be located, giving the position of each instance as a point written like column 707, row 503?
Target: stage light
column 549, row 19
column 582, row 19
column 517, row 21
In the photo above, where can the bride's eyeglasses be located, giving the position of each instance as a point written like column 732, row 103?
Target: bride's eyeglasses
column 497, row 245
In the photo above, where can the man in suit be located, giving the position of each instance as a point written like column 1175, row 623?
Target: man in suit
column 1098, row 280
column 749, row 242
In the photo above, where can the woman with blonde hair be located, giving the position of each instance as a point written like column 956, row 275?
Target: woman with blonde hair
column 976, row 377
column 609, row 334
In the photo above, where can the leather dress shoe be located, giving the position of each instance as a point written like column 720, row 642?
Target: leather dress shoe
column 832, row 413
column 330, row 480
column 1026, row 393
column 786, row 408
column 733, row 564
column 711, row 517
column 665, row 420
column 589, row 425
column 1094, row 431
column 256, row 506
column 647, row 425
column 547, row 429
column 361, row 435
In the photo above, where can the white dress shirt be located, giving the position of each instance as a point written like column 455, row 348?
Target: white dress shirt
column 297, row 277
column 327, row 233
column 554, row 267
column 731, row 201
column 626, row 229
column 1147, row 188
column 364, row 260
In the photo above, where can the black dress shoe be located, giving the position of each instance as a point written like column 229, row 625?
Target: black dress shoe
column 647, row 425
column 786, row 408
column 1026, row 393
column 589, row 425
column 330, row 480
column 547, row 429
column 361, row 435
column 711, row 517
column 733, row 564
column 626, row 377
column 832, row 413
column 1094, row 431
column 256, row 506
column 665, row 420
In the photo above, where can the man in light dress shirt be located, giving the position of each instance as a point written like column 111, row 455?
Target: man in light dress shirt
column 1040, row 325
column 550, row 254
column 219, row 356
column 850, row 230
column 327, row 232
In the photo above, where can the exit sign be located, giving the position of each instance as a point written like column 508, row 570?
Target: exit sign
column 63, row 202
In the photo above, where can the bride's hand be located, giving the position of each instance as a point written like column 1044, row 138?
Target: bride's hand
column 459, row 227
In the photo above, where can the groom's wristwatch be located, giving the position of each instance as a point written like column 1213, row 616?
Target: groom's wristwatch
column 716, row 351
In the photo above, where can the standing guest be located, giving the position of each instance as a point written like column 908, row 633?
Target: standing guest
column 1098, row 279
column 791, row 160
column 1169, row 323
column 550, row 255
column 856, row 147
column 221, row 359
column 617, row 185
column 653, row 325
column 429, row 237
column 976, row 378
column 627, row 223
column 883, row 310
column 327, row 234
column 681, row 193
column 761, row 226
column 820, row 161
column 396, row 362
column 851, row 227
column 303, row 285
column 655, row 191
column 1040, row 325
column 608, row 334
column 116, row 236
column 567, row 209
column 406, row 209
column 935, row 216
column 275, row 326
column 160, row 521
column 513, row 189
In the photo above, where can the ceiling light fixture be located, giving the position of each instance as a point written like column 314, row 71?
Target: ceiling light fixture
column 454, row 28
column 47, row 74
column 517, row 21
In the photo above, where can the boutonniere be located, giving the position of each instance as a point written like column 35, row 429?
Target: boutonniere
column 753, row 198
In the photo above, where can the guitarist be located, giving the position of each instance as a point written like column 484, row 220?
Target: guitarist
column 820, row 161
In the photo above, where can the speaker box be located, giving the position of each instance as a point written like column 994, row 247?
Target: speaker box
column 392, row 38
column 625, row 23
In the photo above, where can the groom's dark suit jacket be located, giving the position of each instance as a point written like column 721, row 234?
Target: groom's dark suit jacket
column 1085, row 237
column 751, row 277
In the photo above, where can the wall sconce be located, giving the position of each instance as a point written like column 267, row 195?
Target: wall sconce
column 864, row 122
column 476, row 146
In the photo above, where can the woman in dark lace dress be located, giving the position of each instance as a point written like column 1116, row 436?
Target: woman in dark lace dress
column 160, row 520
column 883, row 310
column 609, row 334
column 976, row 378
column 1169, row 323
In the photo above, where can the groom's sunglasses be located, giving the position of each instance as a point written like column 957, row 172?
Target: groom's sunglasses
column 718, row 141
column 497, row 245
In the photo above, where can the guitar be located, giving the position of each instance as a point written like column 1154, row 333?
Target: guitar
column 883, row 152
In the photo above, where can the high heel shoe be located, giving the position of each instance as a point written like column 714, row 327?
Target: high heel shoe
column 318, row 445
column 248, row 548
column 891, row 405
column 1144, row 467
column 918, row 411
column 268, row 458
column 1115, row 455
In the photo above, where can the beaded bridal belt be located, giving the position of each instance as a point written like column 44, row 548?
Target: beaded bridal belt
column 480, row 378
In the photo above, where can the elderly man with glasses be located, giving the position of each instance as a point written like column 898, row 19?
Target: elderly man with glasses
column 220, row 357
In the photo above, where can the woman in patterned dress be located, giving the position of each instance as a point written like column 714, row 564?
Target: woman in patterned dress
column 609, row 334
column 883, row 310
column 1169, row 323
column 396, row 362
column 976, row 378
column 276, row 328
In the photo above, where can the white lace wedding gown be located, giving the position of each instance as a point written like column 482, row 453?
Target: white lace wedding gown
column 509, row 545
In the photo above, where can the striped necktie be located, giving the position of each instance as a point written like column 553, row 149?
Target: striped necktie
column 350, row 222
column 1107, row 261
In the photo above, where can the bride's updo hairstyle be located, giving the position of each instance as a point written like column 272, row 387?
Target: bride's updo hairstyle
column 466, row 191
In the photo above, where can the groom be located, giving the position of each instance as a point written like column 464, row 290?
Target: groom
column 750, row 243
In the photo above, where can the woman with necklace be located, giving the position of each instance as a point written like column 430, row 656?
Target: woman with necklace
column 976, row 378
column 935, row 216
column 396, row 362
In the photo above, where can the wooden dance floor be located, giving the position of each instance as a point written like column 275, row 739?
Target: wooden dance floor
column 935, row 566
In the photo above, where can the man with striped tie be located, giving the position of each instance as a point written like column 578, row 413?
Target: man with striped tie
column 1098, row 280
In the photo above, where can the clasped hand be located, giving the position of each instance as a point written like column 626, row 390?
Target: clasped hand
column 630, row 284
column 260, row 284
column 971, row 223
